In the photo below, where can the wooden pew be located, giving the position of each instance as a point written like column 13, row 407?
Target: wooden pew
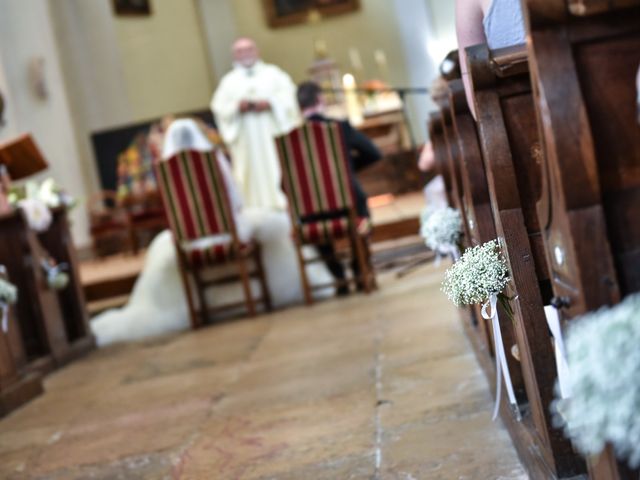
column 59, row 244
column 475, row 203
column 584, row 56
column 17, row 384
column 446, row 166
column 453, row 160
column 509, row 143
column 38, row 311
column 439, row 144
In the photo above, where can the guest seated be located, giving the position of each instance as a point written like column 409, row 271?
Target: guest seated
column 362, row 154
column 435, row 191
column 498, row 23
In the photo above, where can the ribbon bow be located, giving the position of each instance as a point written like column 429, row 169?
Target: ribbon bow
column 553, row 321
column 55, row 270
column 446, row 250
column 4, row 306
column 502, row 367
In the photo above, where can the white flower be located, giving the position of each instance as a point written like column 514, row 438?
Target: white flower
column 479, row 273
column 604, row 364
column 8, row 292
column 37, row 213
column 49, row 193
column 441, row 228
column 53, row 195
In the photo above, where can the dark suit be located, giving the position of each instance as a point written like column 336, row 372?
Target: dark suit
column 362, row 153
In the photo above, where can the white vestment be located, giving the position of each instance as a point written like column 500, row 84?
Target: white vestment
column 250, row 136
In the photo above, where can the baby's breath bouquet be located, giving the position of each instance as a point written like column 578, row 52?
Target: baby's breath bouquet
column 479, row 277
column 604, row 378
column 57, row 278
column 481, row 272
column 441, row 229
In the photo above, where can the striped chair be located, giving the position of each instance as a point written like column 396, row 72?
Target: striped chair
column 317, row 181
column 204, row 230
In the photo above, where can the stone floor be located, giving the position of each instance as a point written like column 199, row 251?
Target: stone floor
column 378, row 387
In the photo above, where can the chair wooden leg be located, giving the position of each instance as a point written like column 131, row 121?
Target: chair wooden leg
column 202, row 299
column 193, row 314
column 371, row 271
column 266, row 294
column 306, row 288
column 357, row 243
column 246, row 285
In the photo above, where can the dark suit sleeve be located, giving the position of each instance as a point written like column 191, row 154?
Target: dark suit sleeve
column 363, row 150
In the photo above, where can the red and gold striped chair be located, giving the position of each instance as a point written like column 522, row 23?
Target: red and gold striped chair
column 317, row 181
column 204, row 231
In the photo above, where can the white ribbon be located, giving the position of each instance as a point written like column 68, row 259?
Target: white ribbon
column 502, row 367
column 5, row 316
column 4, row 306
column 446, row 250
column 553, row 321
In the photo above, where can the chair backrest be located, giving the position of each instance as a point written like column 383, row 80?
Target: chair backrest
column 194, row 195
column 316, row 173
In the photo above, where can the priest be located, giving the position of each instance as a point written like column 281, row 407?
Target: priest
column 254, row 103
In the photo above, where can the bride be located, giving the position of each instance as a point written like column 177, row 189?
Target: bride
column 157, row 304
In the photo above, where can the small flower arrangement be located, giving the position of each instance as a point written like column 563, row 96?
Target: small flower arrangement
column 441, row 229
column 47, row 192
column 8, row 292
column 479, row 277
column 604, row 366
column 55, row 196
column 38, row 214
column 481, row 272
column 57, row 278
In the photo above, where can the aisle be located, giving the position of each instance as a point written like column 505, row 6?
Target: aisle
column 373, row 387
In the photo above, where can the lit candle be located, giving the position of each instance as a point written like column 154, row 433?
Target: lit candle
column 351, row 97
column 381, row 58
column 381, row 61
column 356, row 60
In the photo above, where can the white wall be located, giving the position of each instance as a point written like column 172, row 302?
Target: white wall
column 8, row 130
column 26, row 32
column 93, row 73
column 442, row 32
column 219, row 25
column 165, row 59
column 414, row 25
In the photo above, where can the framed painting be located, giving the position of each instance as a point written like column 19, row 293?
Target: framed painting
column 131, row 7
column 282, row 13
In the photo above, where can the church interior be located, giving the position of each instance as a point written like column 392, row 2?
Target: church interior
column 320, row 239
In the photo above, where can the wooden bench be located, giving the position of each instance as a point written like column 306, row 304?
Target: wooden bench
column 475, row 203
column 509, row 143
column 59, row 244
column 439, row 144
column 453, row 160
column 17, row 384
column 49, row 340
column 584, row 57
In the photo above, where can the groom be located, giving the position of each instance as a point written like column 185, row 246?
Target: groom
column 362, row 153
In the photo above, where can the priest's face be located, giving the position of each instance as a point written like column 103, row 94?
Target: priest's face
column 245, row 52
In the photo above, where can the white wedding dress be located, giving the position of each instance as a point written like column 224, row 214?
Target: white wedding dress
column 158, row 304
